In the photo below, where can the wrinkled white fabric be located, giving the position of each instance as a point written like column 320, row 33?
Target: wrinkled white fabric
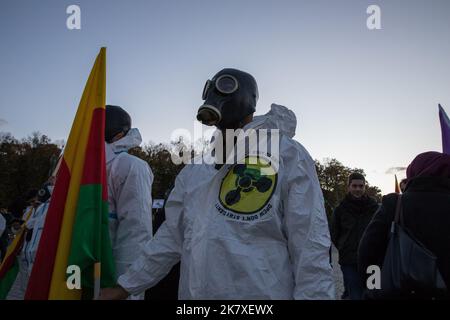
column 130, row 201
column 2, row 224
column 281, row 255
column 28, row 211
column 279, row 117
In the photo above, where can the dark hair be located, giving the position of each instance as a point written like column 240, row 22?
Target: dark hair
column 355, row 176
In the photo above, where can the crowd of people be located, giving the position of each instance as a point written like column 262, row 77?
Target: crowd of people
column 246, row 230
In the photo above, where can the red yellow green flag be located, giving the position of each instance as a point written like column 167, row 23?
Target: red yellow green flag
column 76, row 227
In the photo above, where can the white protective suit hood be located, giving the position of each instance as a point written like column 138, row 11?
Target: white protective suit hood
column 242, row 234
column 279, row 117
column 131, row 140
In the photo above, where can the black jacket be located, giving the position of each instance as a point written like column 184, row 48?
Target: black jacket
column 348, row 223
column 426, row 212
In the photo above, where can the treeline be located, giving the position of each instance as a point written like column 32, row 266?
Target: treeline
column 26, row 164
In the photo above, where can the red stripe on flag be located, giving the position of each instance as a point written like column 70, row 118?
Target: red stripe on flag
column 94, row 171
column 41, row 275
column 9, row 261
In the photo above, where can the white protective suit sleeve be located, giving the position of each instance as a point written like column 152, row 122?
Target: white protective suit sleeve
column 163, row 251
column 2, row 225
column 134, row 212
column 306, row 227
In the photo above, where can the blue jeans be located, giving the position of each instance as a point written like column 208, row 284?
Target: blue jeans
column 352, row 282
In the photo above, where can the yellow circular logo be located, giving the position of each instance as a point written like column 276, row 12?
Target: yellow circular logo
column 248, row 187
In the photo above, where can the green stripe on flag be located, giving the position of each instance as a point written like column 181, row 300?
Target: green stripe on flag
column 90, row 238
column 8, row 280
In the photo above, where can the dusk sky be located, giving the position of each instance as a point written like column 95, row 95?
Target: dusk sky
column 368, row 98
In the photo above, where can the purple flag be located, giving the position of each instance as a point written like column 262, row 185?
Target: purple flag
column 445, row 128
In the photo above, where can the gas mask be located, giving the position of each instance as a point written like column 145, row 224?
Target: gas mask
column 229, row 97
column 45, row 192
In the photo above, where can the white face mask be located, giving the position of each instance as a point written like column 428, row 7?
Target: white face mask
column 50, row 189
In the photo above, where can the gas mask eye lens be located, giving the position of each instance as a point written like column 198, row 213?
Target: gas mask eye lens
column 205, row 89
column 226, row 84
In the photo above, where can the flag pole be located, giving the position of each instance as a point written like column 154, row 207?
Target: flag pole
column 97, row 272
column 445, row 129
column 397, row 188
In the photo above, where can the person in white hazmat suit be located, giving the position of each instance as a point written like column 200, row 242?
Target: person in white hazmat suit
column 241, row 232
column 34, row 224
column 129, row 191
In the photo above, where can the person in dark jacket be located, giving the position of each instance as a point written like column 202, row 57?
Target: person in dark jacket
column 348, row 224
column 426, row 214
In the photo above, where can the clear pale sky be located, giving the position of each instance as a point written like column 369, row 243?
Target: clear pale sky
column 366, row 97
